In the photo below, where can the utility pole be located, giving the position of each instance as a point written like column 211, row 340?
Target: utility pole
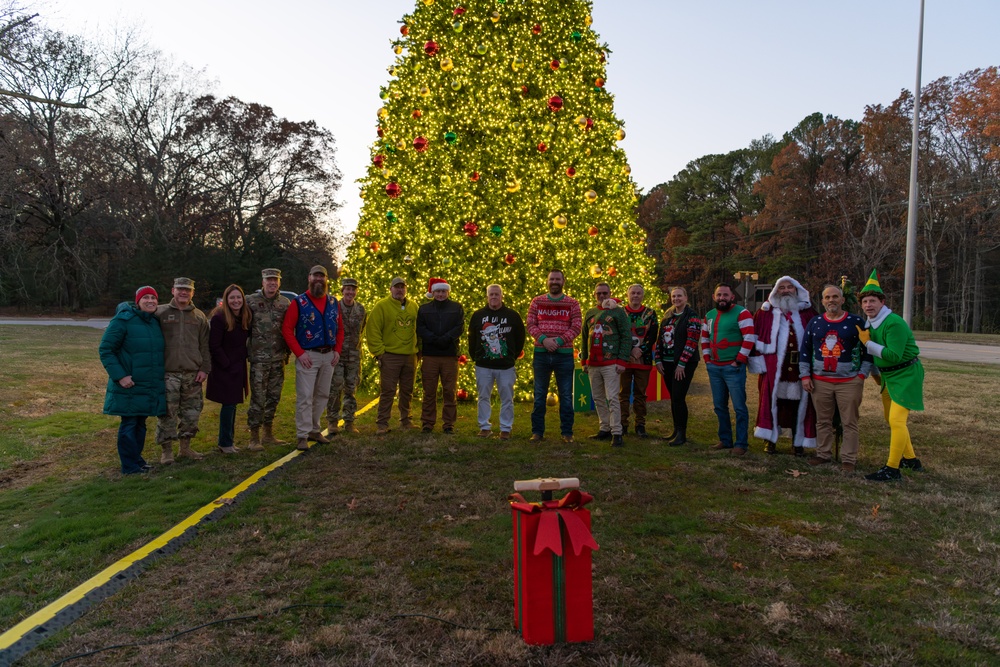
column 911, row 215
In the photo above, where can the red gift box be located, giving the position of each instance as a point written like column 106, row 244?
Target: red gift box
column 553, row 583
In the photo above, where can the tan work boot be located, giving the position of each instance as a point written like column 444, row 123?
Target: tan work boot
column 269, row 438
column 167, row 457
column 332, row 428
column 188, row 452
column 318, row 437
column 303, row 444
column 350, row 429
column 254, row 444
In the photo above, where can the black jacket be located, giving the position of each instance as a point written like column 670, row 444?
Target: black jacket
column 439, row 326
column 496, row 337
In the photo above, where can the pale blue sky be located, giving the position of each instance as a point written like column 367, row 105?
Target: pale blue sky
column 689, row 77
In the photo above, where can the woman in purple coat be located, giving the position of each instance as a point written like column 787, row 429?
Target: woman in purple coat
column 227, row 341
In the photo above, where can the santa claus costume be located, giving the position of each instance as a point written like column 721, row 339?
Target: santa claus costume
column 782, row 402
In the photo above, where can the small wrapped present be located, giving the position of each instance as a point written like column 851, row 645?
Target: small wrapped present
column 553, row 584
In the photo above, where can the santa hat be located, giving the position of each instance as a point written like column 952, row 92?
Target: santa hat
column 872, row 287
column 436, row 284
column 801, row 293
column 488, row 325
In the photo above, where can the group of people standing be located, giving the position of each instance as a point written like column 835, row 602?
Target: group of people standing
column 810, row 366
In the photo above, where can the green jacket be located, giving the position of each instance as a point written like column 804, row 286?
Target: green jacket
column 133, row 345
column 892, row 344
column 607, row 337
column 392, row 327
column 185, row 337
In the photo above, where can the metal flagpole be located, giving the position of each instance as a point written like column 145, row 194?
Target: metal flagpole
column 911, row 216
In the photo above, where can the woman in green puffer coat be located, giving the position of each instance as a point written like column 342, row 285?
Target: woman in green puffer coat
column 132, row 353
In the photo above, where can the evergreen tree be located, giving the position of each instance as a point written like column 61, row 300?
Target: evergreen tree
column 497, row 158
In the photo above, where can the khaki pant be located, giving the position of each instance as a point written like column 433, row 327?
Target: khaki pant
column 444, row 369
column 827, row 397
column 605, row 383
column 312, row 391
column 395, row 371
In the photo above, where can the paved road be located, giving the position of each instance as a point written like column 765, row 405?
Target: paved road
column 978, row 354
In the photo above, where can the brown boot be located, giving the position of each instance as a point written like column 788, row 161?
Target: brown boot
column 167, row 457
column 188, row 452
column 254, row 444
column 319, row 438
column 269, row 438
column 350, row 429
column 303, row 444
column 332, row 429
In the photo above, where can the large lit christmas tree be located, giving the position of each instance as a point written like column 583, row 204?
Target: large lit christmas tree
column 497, row 158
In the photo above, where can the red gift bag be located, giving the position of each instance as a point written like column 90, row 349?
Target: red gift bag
column 553, row 584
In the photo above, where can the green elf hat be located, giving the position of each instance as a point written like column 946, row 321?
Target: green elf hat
column 872, row 287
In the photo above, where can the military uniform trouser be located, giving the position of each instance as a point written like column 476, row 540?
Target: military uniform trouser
column 184, row 403
column 267, row 379
column 344, row 383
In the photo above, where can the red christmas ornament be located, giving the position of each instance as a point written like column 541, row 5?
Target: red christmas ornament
column 521, row 356
column 571, row 172
column 612, row 272
column 509, row 258
column 458, row 11
column 536, row 29
column 592, row 230
column 431, row 48
column 393, row 190
column 404, row 30
column 474, row 177
column 471, row 229
column 542, row 147
column 554, row 65
column 378, row 160
column 524, row 91
column 599, row 82
column 374, row 246
column 555, row 103
column 462, row 359
column 420, row 144
column 380, row 132
column 368, row 232
column 417, row 113
column 601, row 56
column 461, row 394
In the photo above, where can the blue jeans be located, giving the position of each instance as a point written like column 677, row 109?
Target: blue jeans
column 227, row 425
column 131, row 440
column 730, row 382
column 504, row 380
column 544, row 365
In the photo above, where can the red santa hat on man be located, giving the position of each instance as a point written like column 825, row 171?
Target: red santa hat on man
column 436, row 284
column 801, row 295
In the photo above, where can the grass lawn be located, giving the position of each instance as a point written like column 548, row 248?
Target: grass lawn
column 704, row 559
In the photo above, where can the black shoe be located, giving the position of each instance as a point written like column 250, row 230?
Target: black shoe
column 616, row 441
column 449, row 430
column 800, row 451
column 886, row 474
column 911, row 464
column 770, row 448
column 425, row 429
column 625, row 429
column 680, row 438
column 147, row 468
column 640, row 430
column 601, row 435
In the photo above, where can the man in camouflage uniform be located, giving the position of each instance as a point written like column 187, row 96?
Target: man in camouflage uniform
column 187, row 363
column 347, row 372
column 268, row 356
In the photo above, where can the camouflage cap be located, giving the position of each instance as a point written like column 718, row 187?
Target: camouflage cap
column 184, row 283
column 397, row 281
column 348, row 282
column 270, row 273
column 318, row 269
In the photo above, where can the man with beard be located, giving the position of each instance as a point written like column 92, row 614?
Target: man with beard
column 187, row 362
column 833, row 367
column 392, row 340
column 347, row 372
column 268, row 356
column 890, row 341
column 314, row 332
column 554, row 320
column 496, row 340
column 645, row 327
column 726, row 341
column 780, row 327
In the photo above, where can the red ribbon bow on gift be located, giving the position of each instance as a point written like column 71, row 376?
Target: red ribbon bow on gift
column 549, row 536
